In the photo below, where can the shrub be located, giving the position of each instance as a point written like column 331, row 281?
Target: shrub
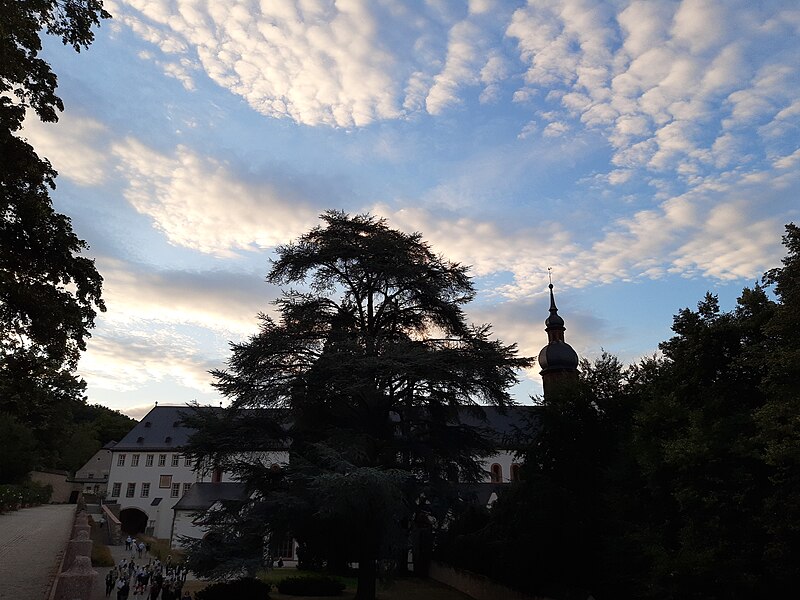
column 101, row 556
column 12, row 495
column 316, row 585
column 247, row 588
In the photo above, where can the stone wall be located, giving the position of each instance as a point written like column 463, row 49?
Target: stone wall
column 476, row 586
column 76, row 579
column 62, row 489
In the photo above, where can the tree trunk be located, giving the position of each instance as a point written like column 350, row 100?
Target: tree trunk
column 367, row 574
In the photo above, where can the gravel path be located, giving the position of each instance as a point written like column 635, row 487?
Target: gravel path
column 32, row 542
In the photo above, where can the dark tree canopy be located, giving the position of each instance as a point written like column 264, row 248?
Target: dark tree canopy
column 675, row 478
column 49, row 293
column 23, row 73
column 373, row 361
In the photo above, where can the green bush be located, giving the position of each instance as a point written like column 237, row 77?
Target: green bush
column 247, row 588
column 13, row 496
column 101, row 555
column 317, row 585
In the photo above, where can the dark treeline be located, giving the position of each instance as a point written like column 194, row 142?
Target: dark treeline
column 50, row 292
column 64, row 436
column 677, row 477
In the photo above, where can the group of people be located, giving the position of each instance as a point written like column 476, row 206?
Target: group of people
column 135, row 547
column 152, row 581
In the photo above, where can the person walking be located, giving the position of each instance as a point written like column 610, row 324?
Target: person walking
column 111, row 579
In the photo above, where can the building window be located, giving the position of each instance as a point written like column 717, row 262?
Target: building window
column 91, row 475
column 176, row 490
column 134, row 460
column 121, row 460
column 131, row 490
column 496, row 473
column 148, row 462
column 165, row 481
column 186, row 488
column 515, row 472
column 175, row 459
column 216, row 475
column 115, row 489
column 187, row 462
column 286, row 550
column 162, row 460
column 145, row 490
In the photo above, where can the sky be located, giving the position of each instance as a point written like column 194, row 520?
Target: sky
column 646, row 151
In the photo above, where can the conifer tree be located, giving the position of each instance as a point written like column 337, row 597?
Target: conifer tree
column 371, row 363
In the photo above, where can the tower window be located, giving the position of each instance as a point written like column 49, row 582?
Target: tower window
column 496, row 473
column 515, row 472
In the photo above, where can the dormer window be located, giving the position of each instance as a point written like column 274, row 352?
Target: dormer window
column 176, row 424
column 140, row 440
column 168, row 440
column 148, row 423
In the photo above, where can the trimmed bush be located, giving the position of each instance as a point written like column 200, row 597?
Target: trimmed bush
column 247, row 588
column 101, row 556
column 315, row 585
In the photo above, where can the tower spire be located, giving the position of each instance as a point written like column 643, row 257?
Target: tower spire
column 558, row 360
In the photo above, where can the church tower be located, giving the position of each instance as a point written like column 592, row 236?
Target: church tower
column 558, row 361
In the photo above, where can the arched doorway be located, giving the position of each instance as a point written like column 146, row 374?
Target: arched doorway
column 133, row 520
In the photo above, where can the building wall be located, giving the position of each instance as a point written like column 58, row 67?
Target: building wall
column 156, row 481
column 62, row 487
column 184, row 526
column 176, row 470
column 504, row 460
column 93, row 476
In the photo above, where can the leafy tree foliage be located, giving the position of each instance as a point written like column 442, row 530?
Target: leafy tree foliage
column 673, row 478
column 17, row 450
column 23, row 74
column 373, row 362
column 779, row 417
column 49, row 294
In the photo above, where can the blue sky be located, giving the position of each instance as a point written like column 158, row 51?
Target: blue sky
column 646, row 151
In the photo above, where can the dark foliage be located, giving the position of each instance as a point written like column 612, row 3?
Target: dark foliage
column 673, row 478
column 367, row 370
column 49, row 293
column 248, row 588
column 314, row 585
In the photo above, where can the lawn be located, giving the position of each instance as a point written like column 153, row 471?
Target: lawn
column 406, row 588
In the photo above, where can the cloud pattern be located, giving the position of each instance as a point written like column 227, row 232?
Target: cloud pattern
column 695, row 102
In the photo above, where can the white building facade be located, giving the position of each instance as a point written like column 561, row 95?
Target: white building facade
column 149, row 475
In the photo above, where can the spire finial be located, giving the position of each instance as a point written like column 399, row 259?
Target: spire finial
column 554, row 323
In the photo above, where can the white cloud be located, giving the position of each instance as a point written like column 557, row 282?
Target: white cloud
column 220, row 301
column 202, row 203
column 71, row 145
column 124, row 359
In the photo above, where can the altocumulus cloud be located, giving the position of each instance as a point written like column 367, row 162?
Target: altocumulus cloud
column 202, row 203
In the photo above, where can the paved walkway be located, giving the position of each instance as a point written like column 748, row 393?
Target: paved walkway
column 32, row 542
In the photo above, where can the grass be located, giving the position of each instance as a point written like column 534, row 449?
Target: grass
column 160, row 549
column 405, row 588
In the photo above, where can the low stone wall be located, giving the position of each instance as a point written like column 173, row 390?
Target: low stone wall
column 476, row 586
column 114, row 526
column 76, row 577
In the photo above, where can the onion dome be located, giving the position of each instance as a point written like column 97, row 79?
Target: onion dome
column 557, row 355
